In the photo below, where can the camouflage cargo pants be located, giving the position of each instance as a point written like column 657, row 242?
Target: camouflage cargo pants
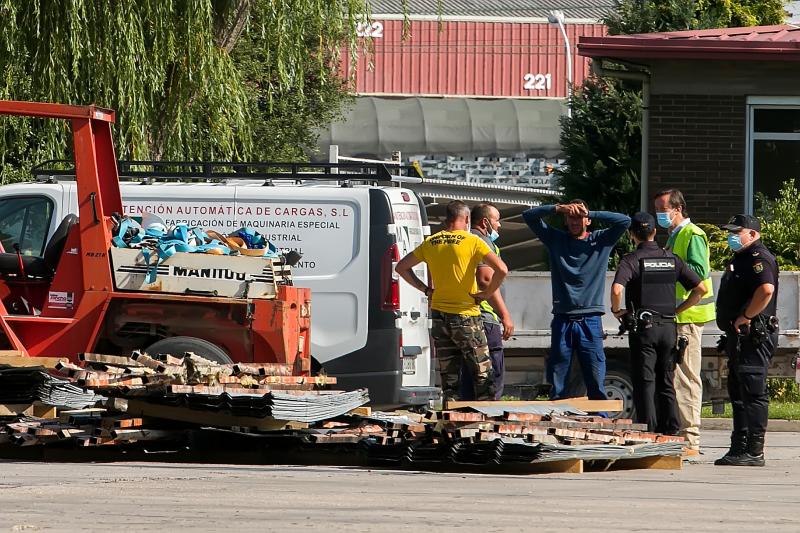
column 461, row 340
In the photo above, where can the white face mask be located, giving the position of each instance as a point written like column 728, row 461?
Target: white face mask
column 494, row 235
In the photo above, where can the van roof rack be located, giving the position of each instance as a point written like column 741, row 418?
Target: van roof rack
column 210, row 171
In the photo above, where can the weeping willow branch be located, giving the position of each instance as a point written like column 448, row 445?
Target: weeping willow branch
column 167, row 67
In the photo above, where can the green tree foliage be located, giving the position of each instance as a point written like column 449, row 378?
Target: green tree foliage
column 286, row 119
column 645, row 16
column 587, row 166
column 600, row 141
column 190, row 79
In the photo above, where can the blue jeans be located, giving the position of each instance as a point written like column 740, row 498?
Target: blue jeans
column 582, row 334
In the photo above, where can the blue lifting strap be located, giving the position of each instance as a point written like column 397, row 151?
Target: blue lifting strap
column 157, row 245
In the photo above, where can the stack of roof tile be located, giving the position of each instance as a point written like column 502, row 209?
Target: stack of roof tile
column 515, row 436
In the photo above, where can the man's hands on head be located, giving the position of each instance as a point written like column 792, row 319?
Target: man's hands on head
column 572, row 210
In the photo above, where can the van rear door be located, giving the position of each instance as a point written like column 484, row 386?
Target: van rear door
column 411, row 230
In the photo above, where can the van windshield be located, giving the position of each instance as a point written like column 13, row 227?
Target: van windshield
column 25, row 221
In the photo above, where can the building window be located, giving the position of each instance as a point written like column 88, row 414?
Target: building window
column 773, row 146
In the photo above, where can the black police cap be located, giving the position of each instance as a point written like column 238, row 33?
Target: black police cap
column 642, row 222
column 739, row 222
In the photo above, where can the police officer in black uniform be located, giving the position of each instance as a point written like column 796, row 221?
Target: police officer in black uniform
column 746, row 305
column 648, row 276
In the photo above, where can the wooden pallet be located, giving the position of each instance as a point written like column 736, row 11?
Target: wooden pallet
column 565, row 466
column 584, row 404
column 28, row 409
column 16, row 359
column 658, row 462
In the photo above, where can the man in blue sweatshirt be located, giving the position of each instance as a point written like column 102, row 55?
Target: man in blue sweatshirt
column 578, row 261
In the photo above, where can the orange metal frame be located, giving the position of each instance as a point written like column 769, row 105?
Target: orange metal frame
column 278, row 329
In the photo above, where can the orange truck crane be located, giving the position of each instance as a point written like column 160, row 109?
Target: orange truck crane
column 86, row 295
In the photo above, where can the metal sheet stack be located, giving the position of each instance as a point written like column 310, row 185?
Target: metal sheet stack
column 84, row 427
column 33, row 384
column 506, row 436
column 239, row 390
column 300, row 406
column 181, row 401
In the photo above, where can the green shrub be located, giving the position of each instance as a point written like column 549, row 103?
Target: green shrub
column 718, row 246
column 780, row 230
column 780, row 225
column 783, row 390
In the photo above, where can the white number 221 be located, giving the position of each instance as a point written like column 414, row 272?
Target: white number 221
column 537, row 82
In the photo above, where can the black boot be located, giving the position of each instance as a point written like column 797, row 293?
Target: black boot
column 754, row 456
column 738, row 448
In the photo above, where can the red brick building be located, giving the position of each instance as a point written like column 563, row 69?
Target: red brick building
column 724, row 113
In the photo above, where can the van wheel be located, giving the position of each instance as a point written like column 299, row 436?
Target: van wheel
column 619, row 386
column 177, row 346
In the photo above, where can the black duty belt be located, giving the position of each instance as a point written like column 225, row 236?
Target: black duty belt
column 645, row 319
column 653, row 315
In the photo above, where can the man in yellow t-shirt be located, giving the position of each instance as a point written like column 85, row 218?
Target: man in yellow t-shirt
column 452, row 256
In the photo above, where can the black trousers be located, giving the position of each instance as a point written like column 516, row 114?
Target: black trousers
column 747, row 382
column 652, row 368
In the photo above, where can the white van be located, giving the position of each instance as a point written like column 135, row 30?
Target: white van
column 369, row 328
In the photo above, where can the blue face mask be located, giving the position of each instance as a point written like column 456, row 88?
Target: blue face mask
column 663, row 219
column 494, row 235
column 734, row 242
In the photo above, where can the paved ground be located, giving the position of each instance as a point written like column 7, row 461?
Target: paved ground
column 159, row 497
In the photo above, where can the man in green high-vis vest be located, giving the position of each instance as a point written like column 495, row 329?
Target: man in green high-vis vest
column 497, row 323
column 690, row 243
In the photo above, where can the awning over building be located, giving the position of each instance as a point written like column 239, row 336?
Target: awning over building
column 378, row 126
column 756, row 43
column 507, row 9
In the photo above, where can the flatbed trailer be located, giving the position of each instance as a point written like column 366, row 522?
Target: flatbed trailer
column 528, row 297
